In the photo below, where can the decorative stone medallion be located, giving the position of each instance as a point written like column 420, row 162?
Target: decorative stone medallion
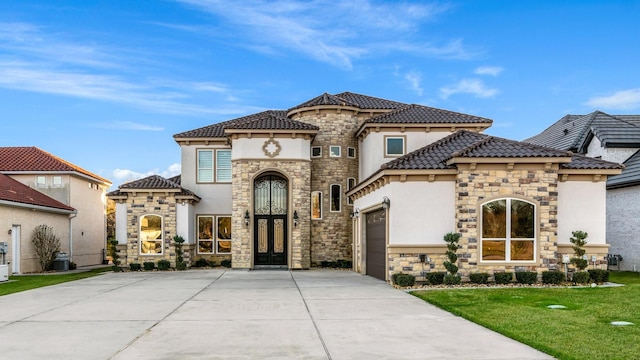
column 271, row 148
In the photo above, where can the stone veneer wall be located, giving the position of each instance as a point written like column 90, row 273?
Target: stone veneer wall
column 298, row 173
column 332, row 237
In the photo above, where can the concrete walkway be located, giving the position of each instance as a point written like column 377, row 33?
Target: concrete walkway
column 232, row 314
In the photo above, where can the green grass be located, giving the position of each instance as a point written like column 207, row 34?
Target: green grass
column 582, row 331
column 19, row 283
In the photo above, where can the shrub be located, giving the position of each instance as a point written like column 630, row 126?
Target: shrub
column 580, row 277
column 479, row 278
column 598, row 275
column 526, row 277
column 403, row 280
column 148, row 265
column 435, row 278
column 164, row 265
column 451, row 279
column 202, row 263
column 180, row 264
column 452, row 246
column 579, row 241
column 73, row 266
column 113, row 252
column 503, row 277
column 226, row 263
column 552, row 277
column 135, row 267
column 324, row 263
column 46, row 244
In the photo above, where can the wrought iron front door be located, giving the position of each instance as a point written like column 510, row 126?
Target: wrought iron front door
column 270, row 220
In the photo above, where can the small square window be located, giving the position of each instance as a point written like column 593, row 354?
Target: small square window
column 316, row 151
column 56, row 181
column 394, row 146
column 351, row 152
column 335, row 151
column 41, row 181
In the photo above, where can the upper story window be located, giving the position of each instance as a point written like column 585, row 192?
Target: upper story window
column 223, row 165
column 213, row 164
column 335, row 151
column 351, row 183
column 316, row 151
column 41, row 181
column 151, row 242
column 205, row 166
column 508, row 230
column 316, row 205
column 351, row 152
column 56, row 181
column 336, row 198
column 394, row 146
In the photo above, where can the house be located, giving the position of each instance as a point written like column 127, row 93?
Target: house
column 21, row 210
column 614, row 138
column 373, row 181
column 80, row 190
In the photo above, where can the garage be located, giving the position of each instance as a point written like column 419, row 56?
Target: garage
column 376, row 244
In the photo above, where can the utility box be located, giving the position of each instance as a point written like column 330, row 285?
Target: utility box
column 61, row 262
column 4, row 272
column 4, row 247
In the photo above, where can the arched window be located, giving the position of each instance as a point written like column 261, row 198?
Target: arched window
column 508, row 230
column 151, row 242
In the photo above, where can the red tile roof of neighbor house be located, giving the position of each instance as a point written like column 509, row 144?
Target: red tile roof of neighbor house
column 30, row 159
column 14, row 191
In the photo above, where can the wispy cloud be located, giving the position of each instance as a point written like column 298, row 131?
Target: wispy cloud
column 474, row 87
column 415, row 79
column 332, row 32
column 125, row 175
column 620, row 100
column 128, row 125
column 488, row 70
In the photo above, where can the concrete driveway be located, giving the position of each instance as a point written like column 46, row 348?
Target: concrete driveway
column 232, row 314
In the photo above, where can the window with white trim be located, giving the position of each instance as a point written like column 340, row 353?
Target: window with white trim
column 336, row 198
column 335, row 151
column 394, row 146
column 205, row 166
column 508, row 230
column 316, row 205
column 56, row 181
column 223, row 165
column 41, row 181
column 151, row 242
column 316, row 151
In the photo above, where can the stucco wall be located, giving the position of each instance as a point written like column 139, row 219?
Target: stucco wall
column 623, row 227
column 618, row 155
column 582, row 206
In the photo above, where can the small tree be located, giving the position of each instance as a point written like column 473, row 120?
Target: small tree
column 47, row 245
column 579, row 241
column 113, row 252
column 180, row 264
column 452, row 278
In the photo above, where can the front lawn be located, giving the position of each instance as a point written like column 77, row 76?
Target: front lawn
column 19, row 283
column 581, row 331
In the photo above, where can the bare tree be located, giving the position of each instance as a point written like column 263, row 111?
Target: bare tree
column 47, row 245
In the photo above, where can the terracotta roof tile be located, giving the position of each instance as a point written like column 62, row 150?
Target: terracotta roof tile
column 33, row 159
column 153, row 182
column 14, row 191
column 419, row 114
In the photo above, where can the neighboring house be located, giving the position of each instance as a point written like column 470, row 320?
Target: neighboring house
column 372, row 181
column 613, row 138
column 69, row 185
column 21, row 210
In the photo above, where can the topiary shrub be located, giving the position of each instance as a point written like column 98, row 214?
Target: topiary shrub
column 580, row 277
column 552, row 277
column 403, row 280
column 451, row 279
column 435, row 278
column 148, row 265
column 180, row 264
column 526, row 277
column 479, row 278
column 164, row 265
column 135, row 267
column 452, row 247
column 503, row 277
column 226, row 263
column 598, row 276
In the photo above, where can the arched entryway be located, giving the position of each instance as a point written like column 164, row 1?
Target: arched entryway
column 270, row 199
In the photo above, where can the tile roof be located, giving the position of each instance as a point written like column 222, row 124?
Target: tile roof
column 14, row 191
column 419, row 114
column 492, row 146
column 351, row 99
column 616, row 130
column 270, row 120
column 153, row 182
column 585, row 162
column 33, row 159
column 630, row 176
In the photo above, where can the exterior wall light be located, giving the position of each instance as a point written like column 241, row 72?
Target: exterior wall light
column 247, row 218
column 9, row 231
column 295, row 218
column 386, row 203
column 355, row 213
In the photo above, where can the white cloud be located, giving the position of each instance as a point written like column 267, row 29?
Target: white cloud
column 125, row 175
column 128, row 125
column 415, row 79
column 488, row 70
column 474, row 87
column 620, row 100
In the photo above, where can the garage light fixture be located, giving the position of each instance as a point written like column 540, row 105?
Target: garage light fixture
column 386, row 203
column 355, row 213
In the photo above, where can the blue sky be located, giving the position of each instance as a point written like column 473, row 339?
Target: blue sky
column 105, row 84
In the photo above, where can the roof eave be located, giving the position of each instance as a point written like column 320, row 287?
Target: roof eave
column 507, row 160
column 37, row 207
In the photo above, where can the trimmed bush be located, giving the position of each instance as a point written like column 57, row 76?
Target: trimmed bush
column 598, row 276
column 435, row 278
column 204, row 263
column 226, row 263
column 580, row 277
column 181, row 266
column 526, row 277
column 135, row 267
column 503, row 277
column 403, row 280
column 148, row 265
column 479, row 278
column 164, row 265
column 324, row 263
column 451, row 279
column 552, row 277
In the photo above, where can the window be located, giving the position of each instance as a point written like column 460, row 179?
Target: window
column 351, row 152
column 336, row 198
column 316, row 205
column 351, row 183
column 223, row 166
column 207, row 244
column 508, row 230
column 41, row 181
column 205, row 166
column 393, row 146
column 316, row 151
column 151, row 235
column 56, row 181
column 335, row 151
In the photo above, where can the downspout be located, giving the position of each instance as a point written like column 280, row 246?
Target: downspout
column 71, row 216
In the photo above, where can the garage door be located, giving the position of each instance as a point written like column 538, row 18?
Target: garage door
column 376, row 244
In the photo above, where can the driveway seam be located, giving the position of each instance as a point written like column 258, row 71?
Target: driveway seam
column 313, row 321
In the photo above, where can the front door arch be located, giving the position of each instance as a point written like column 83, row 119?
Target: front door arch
column 270, row 199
